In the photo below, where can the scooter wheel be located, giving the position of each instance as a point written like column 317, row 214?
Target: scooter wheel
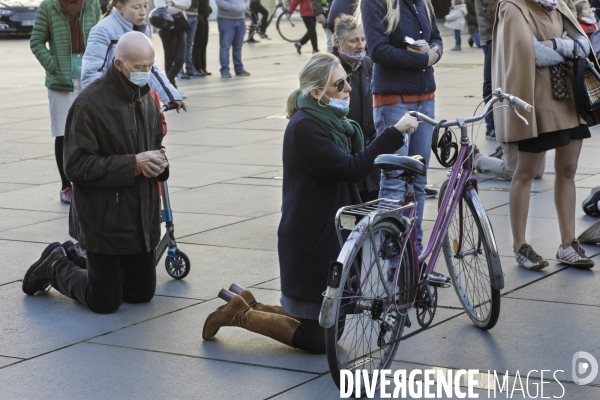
column 180, row 268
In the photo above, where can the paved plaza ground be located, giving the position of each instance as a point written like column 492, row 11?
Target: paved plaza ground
column 226, row 169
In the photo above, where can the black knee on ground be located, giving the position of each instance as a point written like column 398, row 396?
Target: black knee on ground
column 310, row 337
column 106, row 307
column 140, row 297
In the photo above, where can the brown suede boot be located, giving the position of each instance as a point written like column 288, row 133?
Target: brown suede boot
column 238, row 313
column 249, row 298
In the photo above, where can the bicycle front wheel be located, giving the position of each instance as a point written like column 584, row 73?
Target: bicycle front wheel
column 292, row 29
column 470, row 259
column 369, row 318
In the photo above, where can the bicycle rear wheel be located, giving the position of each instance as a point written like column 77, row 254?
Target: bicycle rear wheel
column 292, row 29
column 369, row 323
column 470, row 259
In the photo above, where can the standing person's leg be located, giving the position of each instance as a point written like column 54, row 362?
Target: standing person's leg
column 457, row 42
column 311, row 25
column 520, row 194
column 328, row 35
column 179, row 50
column 226, row 35
column 260, row 9
column 418, row 143
column 190, row 37
column 475, row 36
column 168, row 41
column 565, row 166
column 203, row 45
column 487, row 88
column 238, row 42
column 306, row 36
column 139, row 277
column 99, row 287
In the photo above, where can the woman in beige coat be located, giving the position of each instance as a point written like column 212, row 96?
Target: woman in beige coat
column 529, row 37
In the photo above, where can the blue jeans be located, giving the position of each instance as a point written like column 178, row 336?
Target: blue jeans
column 475, row 37
column 457, row 37
column 193, row 21
column 418, row 143
column 231, row 35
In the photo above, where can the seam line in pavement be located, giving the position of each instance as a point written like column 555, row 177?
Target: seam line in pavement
column 233, row 223
column 556, row 302
column 23, row 241
column 180, row 297
column 204, row 358
column 36, row 223
column 225, row 247
column 532, row 282
column 295, row 386
column 16, row 358
column 10, row 283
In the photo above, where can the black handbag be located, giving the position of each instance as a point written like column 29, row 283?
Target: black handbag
column 181, row 23
column 587, row 84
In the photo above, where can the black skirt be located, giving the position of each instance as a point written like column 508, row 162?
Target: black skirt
column 552, row 140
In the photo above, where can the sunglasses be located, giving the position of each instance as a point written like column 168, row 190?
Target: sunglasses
column 339, row 85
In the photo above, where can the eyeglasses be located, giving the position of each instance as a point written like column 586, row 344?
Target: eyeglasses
column 339, row 85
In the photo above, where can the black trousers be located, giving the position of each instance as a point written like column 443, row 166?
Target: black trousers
column 108, row 280
column 487, row 81
column 311, row 26
column 259, row 9
column 200, row 43
column 174, row 46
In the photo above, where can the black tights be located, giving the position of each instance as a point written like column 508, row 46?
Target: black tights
column 311, row 26
column 310, row 336
column 58, row 153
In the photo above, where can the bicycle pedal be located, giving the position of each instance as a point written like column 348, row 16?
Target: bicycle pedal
column 438, row 280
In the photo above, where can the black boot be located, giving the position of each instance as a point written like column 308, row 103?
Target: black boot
column 38, row 276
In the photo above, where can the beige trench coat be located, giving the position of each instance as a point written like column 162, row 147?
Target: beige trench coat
column 514, row 70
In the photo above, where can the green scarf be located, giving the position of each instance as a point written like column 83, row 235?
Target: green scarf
column 340, row 127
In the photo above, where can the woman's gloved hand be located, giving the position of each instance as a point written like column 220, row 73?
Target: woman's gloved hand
column 407, row 124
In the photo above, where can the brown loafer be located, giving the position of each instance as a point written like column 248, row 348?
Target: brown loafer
column 38, row 276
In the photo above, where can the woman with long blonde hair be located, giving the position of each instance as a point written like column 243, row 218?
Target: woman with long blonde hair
column 323, row 158
column 403, row 78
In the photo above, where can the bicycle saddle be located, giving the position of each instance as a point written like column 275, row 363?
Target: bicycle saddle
column 391, row 162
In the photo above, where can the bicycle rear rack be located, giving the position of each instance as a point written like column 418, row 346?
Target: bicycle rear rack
column 346, row 217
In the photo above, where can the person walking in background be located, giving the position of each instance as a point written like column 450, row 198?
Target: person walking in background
column 201, row 38
column 586, row 17
column 174, row 40
column 191, row 15
column 230, row 17
column 456, row 20
column 403, row 79
column 472, row 26
column 486, row 12
column 65, row 25
column 321, row 10
column 122, row 16
column 259, row 9
column 309, row 21
column 539, row 36
column 349, row 45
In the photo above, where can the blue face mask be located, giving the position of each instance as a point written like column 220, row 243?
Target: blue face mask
column 342, row 105
column 137, row 78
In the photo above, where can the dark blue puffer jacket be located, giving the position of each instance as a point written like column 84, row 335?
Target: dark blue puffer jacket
column 397, row 70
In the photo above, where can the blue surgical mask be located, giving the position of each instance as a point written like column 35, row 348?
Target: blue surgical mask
column 342, row 105
column 354, row 57
column 137, row 78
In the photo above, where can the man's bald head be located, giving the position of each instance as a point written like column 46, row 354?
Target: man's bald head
column 135, row 50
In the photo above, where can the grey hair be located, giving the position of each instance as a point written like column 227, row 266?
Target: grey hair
column 343, row 24
column 316, row 74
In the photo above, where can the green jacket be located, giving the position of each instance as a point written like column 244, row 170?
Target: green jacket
column 52, row 26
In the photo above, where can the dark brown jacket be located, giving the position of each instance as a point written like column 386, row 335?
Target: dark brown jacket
column 113, row 211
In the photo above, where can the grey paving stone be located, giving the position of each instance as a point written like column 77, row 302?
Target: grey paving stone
column 9, row 187
column 589, row 182
column 34, row 137
column 256, row 182
column 18, row 218
column 250, row 154
column 229, row 200
column 230, row 343
column 242, row 234
column 4, row 361
column 528, row 336
column 272, row 124
column 56, row 230
column 21, row 151
column 276, row 174
column 40, row 111
column 139, row 375
column 175, row 152
column 573, row 286
column 545, row 245
column 213, row 268
column 29, row 124
column 221, row 116
column 37, row 172
column 188, row 223
column 34, row 325
column 219, row 137
column 195, row 174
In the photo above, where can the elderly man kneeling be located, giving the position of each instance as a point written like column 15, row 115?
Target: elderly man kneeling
column 113, row 156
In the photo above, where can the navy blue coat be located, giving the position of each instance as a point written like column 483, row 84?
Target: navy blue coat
column 397, row 70
column 318, row 179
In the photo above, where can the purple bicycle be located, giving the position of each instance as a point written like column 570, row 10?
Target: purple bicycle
column 380, row 276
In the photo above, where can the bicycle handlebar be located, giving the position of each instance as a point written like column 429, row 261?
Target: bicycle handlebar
column 498, row 96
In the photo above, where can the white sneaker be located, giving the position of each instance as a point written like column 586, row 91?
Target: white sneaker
column 183, row 96
column 574, row 255
column 529, row 259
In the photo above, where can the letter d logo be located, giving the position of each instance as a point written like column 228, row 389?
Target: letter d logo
column 582, row 368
